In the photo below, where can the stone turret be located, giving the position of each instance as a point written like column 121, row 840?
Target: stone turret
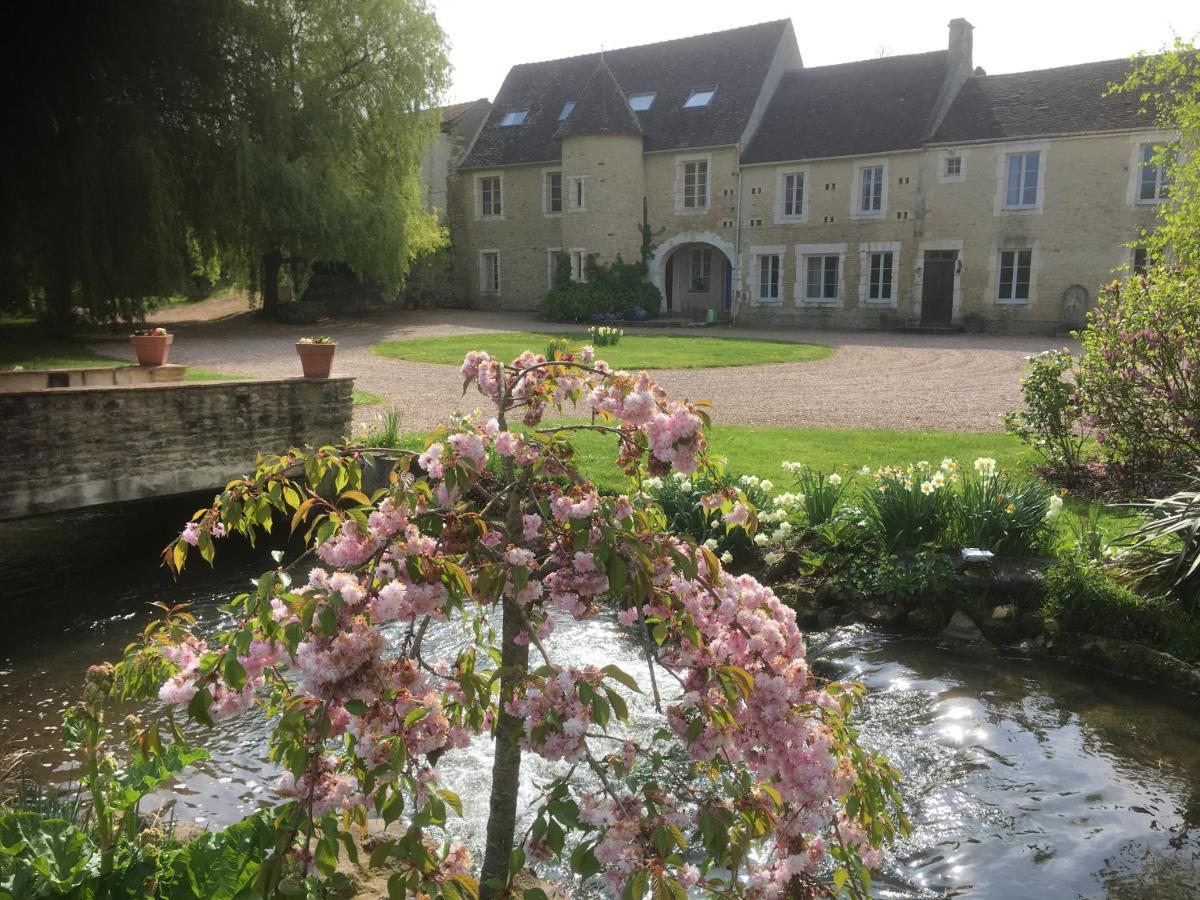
column 602, row 172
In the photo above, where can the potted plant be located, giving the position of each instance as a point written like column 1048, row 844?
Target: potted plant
column 316, row 356
column 152, row 345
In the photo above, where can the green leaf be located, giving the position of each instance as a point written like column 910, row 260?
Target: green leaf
column 624, row 677
column 516, row 860
column 234, row 673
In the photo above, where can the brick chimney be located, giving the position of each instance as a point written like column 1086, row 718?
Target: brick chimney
column 959, row 66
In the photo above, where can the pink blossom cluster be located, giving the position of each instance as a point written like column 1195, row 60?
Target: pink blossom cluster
column 558, row 694
column 181, row 687
column 331, row 791
column 627, row 826
column 576, row 583
column 776, row 734
column 343, row 666
column 351, row 546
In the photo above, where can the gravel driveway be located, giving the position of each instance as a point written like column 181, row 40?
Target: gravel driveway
column 873, row 380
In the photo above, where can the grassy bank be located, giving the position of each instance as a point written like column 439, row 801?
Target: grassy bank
column 761, row 451
column 635, row 351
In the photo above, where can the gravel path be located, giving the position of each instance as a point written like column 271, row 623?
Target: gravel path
column 873, row 380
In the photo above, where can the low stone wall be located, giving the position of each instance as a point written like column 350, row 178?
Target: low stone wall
column 107, row 376
column 75, row 447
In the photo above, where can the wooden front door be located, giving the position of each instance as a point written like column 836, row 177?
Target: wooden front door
column 937, row 288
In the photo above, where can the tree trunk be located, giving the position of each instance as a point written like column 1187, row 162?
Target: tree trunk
column 272, row 262
column 58, row 297
column 506, row 763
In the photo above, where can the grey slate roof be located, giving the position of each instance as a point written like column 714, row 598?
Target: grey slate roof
column 734, row 61
column 850, row 109
column 601, row 108
column 1049, row 101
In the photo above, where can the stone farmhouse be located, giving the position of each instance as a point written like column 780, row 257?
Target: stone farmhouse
column 900, row 191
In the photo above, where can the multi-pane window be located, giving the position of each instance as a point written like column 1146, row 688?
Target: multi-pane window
column 1015, row 269
column 821, row 282
column 879, row 286
column 953, row 166
column 871, row 194
column 489, row 272
column 554, row 192
column 793, row 194
column 1141, row 259
column 768, row 277
column 695, row 184
column 489, row 194
column 1154, row 182
column 1021, row 190
column 701, row 269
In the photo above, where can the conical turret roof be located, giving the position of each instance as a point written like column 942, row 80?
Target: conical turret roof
column 602, row 108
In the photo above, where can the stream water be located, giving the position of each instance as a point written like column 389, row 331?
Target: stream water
column 1023, row 778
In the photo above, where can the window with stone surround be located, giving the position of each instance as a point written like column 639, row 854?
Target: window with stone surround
column 553, row 193
column 1154, row 182
column 1016, row 270
column 577, row 193
column 579, row 264
column 879, row 283
column 695, row 184
column 490, row 205
column 793, row 195
column 489, row 271
column 953, row 166
column 768, row 277
column 1021, row 187
column 870, row 197
column 821, row 278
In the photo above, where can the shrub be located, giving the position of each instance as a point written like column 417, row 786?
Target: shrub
column 819, row 492
column 1051, row 420
column 1164, row 554
column 1084, row 600
column 603, row 336
column 1139, row 376
column 893, row 578
column 678, row 496
column 611, row 292
column 910, row 506
column 993, row 511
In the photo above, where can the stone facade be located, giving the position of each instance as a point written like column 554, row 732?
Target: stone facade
column 935, row 241
column 75, row 447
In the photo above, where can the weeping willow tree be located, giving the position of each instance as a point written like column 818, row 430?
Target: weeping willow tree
column 103, row 101
column 156, row 135
column 324, row 163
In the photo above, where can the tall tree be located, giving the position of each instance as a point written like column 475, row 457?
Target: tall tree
column 103, row 99
column 321, row 161
column 254, row 132
column 1169, row 86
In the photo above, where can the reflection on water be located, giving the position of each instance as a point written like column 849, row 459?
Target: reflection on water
column 1023, row 779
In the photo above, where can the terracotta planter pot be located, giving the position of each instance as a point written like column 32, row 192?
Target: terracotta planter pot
column 316, row 359
column 151, row 349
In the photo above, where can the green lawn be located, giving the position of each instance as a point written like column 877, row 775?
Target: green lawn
column 635, row 351
column 25, row 343
column 366, row 398
column 759, row 451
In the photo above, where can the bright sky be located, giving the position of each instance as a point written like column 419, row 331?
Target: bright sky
column 487, row 37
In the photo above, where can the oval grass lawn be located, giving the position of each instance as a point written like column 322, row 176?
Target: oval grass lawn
column 635, row 351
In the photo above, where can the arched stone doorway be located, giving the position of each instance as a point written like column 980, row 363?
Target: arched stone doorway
column 695, row 272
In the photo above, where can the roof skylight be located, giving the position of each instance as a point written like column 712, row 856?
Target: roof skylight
column 699, row 97
column 514, row 117
column 643, row 101
column 566, row 110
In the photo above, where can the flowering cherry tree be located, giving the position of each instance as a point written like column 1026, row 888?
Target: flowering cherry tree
column 755, row 786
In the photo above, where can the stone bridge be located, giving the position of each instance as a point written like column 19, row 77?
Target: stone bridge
column 71, row 447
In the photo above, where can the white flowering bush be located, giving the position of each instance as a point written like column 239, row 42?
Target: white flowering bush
column 605, row 335
column 755, row 786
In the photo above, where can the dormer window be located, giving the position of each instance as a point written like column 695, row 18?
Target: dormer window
column 643, row 101
column 566, row 110
column 699, row 97
column 514, row 117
